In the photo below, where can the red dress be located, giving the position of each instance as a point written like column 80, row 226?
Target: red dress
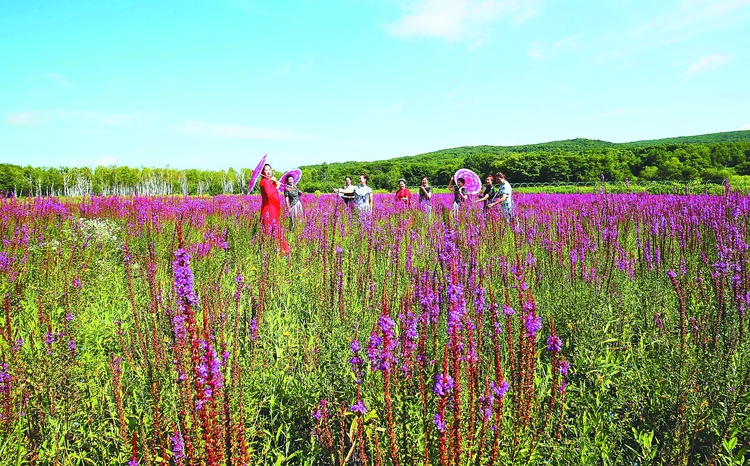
column 404, row 195
column 270, row 208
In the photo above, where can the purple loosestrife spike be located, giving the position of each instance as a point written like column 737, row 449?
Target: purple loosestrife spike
column 564, row 367
column 508, row 311
column 358, row 407
column 133, row 462
column 5, row 378
column 486, row 403
column 500, row 390
column 443, row 385
column 439, row 422
column 321, row 411
column 178, row 446
column 554, row 344
column 183, row 278
column 533, row 324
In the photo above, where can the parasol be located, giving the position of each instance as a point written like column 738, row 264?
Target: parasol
column 295, row 173
column 472, row 183
column 256, row 173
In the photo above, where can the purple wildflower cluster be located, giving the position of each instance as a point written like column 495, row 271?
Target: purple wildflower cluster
column 381, row 349
column 5, row 378
column 358, row 407
column 183, row 279
column 321, row 410
column 178, row 446
column 356, row 361
column 209, row 378
column 554, row 344
column 444, row 384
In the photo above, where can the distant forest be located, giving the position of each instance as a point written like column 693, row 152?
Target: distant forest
column 705, row 157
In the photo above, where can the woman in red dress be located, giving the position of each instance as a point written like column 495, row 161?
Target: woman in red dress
column 270, row 207
column 403, row 194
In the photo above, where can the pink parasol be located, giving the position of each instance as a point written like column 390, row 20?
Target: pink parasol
column 256, row 173
column 295, row 173
column 472, row 183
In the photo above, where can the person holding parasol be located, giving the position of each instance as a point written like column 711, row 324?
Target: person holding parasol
column 270, row 205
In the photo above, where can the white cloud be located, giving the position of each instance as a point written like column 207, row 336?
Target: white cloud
column 58, row 79
column 745, row 128
column 37, row 118
column 230, row 131
column 284, row 69
column 694, row 16
column 619, row 111
column 24, row 119
column 453, row 94
column 565, row 44
column 707, row 63
column 466, row 103
column 386, row 111
column 536, row 50
column 456, row 20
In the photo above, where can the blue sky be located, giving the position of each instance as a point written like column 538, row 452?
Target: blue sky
column 214, row 84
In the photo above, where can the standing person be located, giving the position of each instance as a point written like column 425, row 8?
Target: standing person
column 363, row 198
column 459, row 193
column 403, row 194
column 425, row 195
column 488, row 195
column 270, row 207
column 347, row 192
column 504, row 196
column 292, row 196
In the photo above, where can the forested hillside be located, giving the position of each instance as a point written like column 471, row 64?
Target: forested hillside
column 707, row 157
column 704, row 157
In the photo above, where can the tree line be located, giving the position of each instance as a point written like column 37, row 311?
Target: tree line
column 706, row 157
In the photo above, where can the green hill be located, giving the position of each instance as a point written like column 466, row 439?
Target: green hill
column 707, row 156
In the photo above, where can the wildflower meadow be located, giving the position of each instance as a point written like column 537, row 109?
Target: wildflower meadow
column 600, row 328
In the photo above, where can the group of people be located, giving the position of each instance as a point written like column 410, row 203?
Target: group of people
column 360, row 196
column 491, row 196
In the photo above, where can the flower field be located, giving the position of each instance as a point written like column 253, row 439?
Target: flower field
column 592, row 329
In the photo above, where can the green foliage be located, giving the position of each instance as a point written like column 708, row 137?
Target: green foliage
column 705, row 157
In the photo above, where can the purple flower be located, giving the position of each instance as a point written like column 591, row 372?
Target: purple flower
column 671, row 274
column 133, row 462
column 533, row 324
column 554, row 344
column 178, row 445
column 183, row 279
column 443, row 385
column 5, row 378
column 508, row 311
column 564, row 367
column 439, row 422
column 499, row 390
column 72, row 345
column 321, row 411
column 358, row 407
